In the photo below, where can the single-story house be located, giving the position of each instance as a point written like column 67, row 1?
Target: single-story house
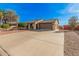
column 43, row 25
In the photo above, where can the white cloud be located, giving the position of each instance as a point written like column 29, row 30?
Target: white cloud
column 71, row 9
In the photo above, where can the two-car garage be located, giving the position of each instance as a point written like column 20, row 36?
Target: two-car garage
column 45, row 26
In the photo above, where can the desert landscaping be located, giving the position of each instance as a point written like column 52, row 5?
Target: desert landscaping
column 71, row 43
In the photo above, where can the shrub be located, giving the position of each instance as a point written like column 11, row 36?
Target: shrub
column 77, row 28
column 5, row 26
column 67, row 27
column 21, row 24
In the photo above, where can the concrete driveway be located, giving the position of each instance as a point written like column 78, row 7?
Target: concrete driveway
column 30, row 43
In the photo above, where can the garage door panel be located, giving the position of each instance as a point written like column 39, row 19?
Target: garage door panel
column 45, row 26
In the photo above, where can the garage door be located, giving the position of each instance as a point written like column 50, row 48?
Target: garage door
column 46, row 26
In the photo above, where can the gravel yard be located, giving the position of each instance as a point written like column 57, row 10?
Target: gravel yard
column 71, row 43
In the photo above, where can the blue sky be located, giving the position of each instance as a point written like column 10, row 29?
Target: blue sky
column 32, row 11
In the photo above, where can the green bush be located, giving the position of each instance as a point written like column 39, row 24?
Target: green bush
column 5, row 26
column 22, row 25
column 0, row 26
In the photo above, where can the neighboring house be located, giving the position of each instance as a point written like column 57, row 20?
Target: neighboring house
column 43, row 25
column 12, row 22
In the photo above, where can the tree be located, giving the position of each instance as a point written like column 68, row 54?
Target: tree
column 1, row 16
column 7, row 16
column 11, row 16
column 22, row 25
column 73, row 22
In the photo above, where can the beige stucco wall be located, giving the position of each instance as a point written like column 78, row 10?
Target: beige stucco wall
column 52, row 26
column 56, row 25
